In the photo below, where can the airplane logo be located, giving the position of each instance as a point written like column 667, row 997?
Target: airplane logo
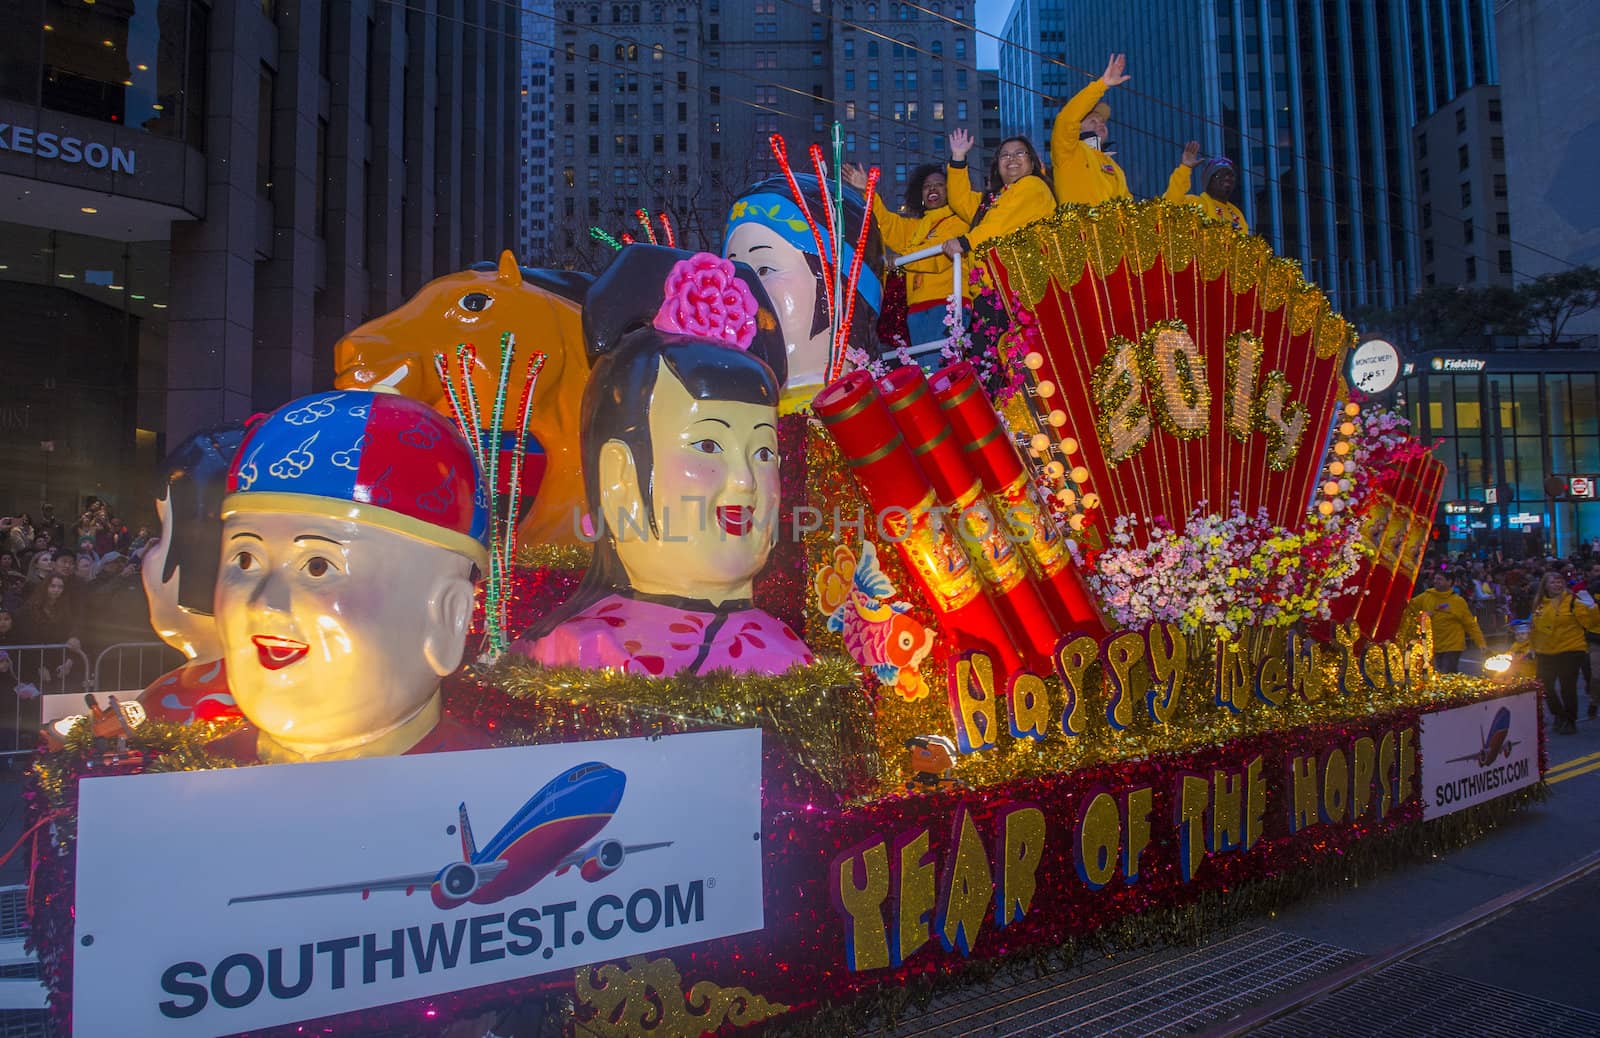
column 1494, row 741
column 550, row 834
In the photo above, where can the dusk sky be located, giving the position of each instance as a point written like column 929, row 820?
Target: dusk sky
column 991, row 18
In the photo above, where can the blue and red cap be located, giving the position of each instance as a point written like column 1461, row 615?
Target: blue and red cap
column 376, row 458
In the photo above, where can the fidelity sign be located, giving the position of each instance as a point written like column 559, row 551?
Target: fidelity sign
column 74, row 151
column 211, row 902
column 1475, row 753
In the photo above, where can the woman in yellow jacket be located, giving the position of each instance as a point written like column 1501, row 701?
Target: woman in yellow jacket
column 1560, row 619
column 1017, row 194
column 926, row 220
column 1216, row 180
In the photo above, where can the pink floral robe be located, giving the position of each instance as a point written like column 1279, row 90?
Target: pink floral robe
column 662, row 637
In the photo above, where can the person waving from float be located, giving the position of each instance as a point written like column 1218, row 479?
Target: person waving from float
column 1017, row 193
column 1216, row 179
column 1085, row 169
column 926, row 220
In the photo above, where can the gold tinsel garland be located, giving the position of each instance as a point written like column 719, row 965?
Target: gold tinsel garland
column 817, row 712
column 1079, row 239
column 554, row 556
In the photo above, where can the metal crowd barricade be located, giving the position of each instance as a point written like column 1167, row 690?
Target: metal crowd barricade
column 131, row 666
column 918, row 349
column 48, row 668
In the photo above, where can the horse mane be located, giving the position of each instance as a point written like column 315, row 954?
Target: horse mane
column 570, row 285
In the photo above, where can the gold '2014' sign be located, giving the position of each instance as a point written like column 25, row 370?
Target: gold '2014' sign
column 1166, row 366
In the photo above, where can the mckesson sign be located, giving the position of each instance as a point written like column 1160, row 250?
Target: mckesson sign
column 72, row 150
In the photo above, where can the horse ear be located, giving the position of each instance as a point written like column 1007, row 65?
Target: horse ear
column 509, row 272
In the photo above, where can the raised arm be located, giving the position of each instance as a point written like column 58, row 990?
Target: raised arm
column 1179, row 183
column 895, row 230
column 1069, row 123
column 958, row 184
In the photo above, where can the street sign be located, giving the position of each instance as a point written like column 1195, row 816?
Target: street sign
column 1491, row 495
column 1374, row 366
column 1581, row 487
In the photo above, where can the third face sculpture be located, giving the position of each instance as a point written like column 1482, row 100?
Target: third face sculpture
column 767, row 230
column 680, row 458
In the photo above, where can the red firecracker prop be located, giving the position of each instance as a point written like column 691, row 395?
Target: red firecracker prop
column 902, row 501
column 979, row 526
column 989, row 450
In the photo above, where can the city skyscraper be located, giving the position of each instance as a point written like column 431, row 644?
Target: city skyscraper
column 903, row 80
column 1552, row 123
column 246, row 183
column 669, row 107
column 1314, row 102
column 533, row 162
column 1463, row 192
column 989, row 101
column 1032, row 89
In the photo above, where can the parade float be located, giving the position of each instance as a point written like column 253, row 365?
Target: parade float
column 783, row 681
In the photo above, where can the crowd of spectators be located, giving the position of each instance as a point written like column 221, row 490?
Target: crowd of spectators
column 1541, row 607
column 67, row 584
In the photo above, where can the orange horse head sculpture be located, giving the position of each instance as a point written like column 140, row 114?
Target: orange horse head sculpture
column 543, row 309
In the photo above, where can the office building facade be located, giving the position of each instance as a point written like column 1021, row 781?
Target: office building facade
column 1032, row 87
column 1549, row 50
column 670, row 106
column 1314, row 102
column 1497, row 460
column 989, row 104
column 533, row 187
column 904, row 79
column 197, row 199
column 1465, row 210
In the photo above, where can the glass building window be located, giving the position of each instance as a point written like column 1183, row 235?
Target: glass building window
column 141, row 66
column 264, row 134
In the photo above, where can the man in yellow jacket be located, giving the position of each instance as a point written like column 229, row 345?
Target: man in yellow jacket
column 1084, row 170
column 1216, row 182
column 1452, row 622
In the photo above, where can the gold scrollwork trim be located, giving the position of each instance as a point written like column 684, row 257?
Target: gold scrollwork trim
column 644, row 998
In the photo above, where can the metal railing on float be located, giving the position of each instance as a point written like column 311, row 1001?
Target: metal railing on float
column 921, row 349
column 49, row 680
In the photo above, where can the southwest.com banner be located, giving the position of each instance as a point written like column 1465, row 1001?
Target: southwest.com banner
column 218, row 901
column 1478, row 752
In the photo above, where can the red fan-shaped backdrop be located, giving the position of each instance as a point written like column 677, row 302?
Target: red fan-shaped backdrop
column 1188, row 363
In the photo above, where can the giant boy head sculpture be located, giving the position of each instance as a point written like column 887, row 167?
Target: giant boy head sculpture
column 768, row 231
column 680, row 467
column 352, row 532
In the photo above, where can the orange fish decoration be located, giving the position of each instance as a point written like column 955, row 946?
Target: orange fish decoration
column 880, row 635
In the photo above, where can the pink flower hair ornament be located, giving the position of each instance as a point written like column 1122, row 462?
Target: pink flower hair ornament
column 704, row 298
